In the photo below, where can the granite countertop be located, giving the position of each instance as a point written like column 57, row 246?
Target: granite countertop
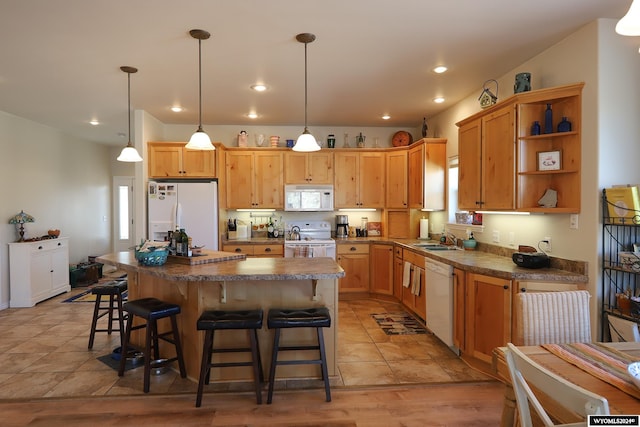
column 235, row 270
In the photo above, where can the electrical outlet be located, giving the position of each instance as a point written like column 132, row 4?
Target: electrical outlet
column 496, row 236
column 548, row 240
column 573, row 221
column 512, row 239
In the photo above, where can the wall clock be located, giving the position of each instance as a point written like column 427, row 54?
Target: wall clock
column 401, row 139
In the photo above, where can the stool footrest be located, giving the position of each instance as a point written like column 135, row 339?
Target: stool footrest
column 230, row 364
column 300, row 347
column 231, row 350
column 300, row 362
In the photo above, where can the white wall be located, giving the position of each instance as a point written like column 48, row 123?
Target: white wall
column 61, row 181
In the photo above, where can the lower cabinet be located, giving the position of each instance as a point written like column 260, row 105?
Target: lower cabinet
column 381, row 262
column 354, row 260
column 38, row 270
column 459, row 308
column 398, row 270
column 267, row 250
column 414, row 295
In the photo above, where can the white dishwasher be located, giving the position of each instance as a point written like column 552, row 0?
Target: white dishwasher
column 438, row 284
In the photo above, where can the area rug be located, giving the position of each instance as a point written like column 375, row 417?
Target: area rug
column 87, row 296
column 399, row 324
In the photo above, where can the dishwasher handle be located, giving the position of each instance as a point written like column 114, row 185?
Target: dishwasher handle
column 438, row 268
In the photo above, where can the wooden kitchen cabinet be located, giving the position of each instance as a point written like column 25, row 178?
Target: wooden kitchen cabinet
column 398, row 270
column 487, row 160
column 415, row 303
column 308, row 168
column 262, row 250
column 359, row 179
column 427, row 161
column 354, row 259
column 564, row 178
column 381, row 261
column 173, row 160
column 38, row 270
column 254, row 179
column 397, row 179
column 488, row 315
column 459, row 308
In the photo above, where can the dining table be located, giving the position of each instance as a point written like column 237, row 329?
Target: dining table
column 556, row 359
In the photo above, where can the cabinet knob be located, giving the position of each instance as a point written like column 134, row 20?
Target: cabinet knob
column 352, row 248
column 238, row 250
column 267, row 250
column 523, row 289
column 506, row 286
column 59, row 244
column 39, row 247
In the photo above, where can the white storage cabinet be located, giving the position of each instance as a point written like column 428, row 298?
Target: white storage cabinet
column 38, row 270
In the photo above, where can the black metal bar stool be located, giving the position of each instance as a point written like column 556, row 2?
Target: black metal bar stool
column 114, row 291
column 217, row 320
column 317, row 317
column 153, row 309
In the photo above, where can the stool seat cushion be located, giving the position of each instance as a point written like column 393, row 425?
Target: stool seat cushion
column 239, row 319
column 151, row 308
column 110, row 288
column 316, row 317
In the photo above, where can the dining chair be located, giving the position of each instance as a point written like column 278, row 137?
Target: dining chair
column 527, row 375
column 552, row 317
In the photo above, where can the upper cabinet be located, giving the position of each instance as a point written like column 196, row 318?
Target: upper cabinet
column 550, row 161
column 397, row 179
column 254, row 179
column 427, row 160
column 486, row 160
column 173, row 160
column 504, row 165
column 308, row 168
column 359, row 179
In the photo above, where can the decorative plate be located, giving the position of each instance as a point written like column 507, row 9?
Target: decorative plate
column 401, row 139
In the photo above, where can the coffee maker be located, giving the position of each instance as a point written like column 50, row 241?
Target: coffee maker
column 342, row 226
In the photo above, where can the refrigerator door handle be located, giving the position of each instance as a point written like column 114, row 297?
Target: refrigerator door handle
column 176, row 215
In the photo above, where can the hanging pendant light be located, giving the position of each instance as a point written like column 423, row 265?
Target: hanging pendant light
column 200, row 140
column 129, row 153
column 629, row 25
column 306, row 141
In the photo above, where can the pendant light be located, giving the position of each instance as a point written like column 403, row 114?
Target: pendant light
column 629, row 25
column 129, row 153
column 306, row 141
column 200, row 140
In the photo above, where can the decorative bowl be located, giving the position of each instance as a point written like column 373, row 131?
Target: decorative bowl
column 155, row 256
column 634, row 372
column 469, row 244
column 54, row 233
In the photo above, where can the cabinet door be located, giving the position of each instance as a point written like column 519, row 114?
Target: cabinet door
column 165, row 161
column 416, row 176
column 381, row 261
column 346, row 180
column 354, row 259
column 488, row 315
column 435, row 175
column 459, row 312
column 320, row 167
column 498, row 159
column 59, row 269
column 398, row 270
column 268, row 251
column 295, row 168
column 269, row 180
column 198, row 163
column 239, row 186
column 41, row 275
column 469, row 171
column 397, row 180
column 371, row 180
column 239, row 249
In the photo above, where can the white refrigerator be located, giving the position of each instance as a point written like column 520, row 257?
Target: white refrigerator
column 192, row 205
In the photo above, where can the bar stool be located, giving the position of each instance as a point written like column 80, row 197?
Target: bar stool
column 153, row 309
column 218, row 320
column 317, row 317
column 114, row 291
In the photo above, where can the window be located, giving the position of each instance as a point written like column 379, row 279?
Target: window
column 452, row 191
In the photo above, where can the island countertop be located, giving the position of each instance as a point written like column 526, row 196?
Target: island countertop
column 233, row 270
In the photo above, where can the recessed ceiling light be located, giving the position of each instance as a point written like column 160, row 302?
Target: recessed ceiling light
column 438, row 100
column 177, row 109
column 252, row 115
column 94, row 122
column 440, row 69
column 386, row 117
column 259, row 87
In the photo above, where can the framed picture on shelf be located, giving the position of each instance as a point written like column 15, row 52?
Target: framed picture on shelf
column 549, row 160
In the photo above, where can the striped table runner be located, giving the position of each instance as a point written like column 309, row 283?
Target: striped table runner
column 605, row 363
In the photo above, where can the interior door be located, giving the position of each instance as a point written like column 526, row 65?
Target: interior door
column 123, row 223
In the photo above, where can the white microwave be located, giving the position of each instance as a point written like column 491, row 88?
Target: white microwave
column 308, row 198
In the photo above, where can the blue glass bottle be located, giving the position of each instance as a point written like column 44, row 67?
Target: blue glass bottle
column 548, row 120
column 535, row 128
column 564, row 125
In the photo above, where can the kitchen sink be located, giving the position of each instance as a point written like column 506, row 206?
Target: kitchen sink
column 435, row 247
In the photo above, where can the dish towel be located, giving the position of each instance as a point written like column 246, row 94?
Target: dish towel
column 318, row 251
column 300, row 251
column 415, row 285
column 406, row 274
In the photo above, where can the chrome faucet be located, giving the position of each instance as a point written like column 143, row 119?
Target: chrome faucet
column 453, row 238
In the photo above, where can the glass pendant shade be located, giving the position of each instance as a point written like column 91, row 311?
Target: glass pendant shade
column 306, row 143
column 129, row 154
column 629, row 25
column 200, row 141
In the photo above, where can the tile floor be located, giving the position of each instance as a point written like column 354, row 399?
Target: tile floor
column 43, row 353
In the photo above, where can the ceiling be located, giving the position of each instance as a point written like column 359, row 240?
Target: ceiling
column 61, row 59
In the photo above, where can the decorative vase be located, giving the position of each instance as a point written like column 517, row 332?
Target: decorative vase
column 535, row 128
column 564, row 125
column 548, row 120
column 424, row 127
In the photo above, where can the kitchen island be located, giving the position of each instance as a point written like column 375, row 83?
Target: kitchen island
column 250, row 283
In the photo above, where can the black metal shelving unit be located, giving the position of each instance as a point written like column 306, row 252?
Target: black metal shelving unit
column 618, row 236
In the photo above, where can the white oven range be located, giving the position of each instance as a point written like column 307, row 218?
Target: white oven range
column 315, row 240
